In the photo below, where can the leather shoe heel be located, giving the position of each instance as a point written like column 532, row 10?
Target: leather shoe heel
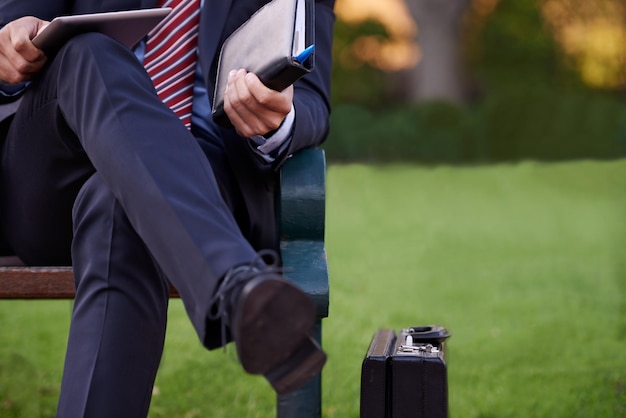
column 302, row 366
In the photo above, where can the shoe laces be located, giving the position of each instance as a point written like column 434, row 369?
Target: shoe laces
column 265, row 261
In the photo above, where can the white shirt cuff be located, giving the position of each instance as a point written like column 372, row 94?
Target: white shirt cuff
column 267, row 146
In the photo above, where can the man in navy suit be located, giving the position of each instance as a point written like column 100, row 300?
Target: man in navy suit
column 97, row 171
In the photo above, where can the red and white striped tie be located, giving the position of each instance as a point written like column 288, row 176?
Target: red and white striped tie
column 170, row 56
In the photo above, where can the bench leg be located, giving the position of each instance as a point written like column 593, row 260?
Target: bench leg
column 305, row 402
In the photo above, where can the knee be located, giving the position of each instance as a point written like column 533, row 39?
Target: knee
column 93, row 53
column 95, row 77
column 92, row 42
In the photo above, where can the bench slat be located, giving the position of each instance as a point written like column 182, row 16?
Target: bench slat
column 41, row 283
column 36, row 283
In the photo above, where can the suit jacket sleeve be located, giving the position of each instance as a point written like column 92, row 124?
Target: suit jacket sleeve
column 14, row 9
column 43, row 9
column 312, row 92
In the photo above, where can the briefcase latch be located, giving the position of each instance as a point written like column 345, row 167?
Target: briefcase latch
column 409, row 347
column 425, row 341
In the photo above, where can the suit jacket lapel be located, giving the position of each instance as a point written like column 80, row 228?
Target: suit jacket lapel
column 212, row 21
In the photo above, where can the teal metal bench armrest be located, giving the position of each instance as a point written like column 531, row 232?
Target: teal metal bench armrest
column 302, row 221
column 302, row 224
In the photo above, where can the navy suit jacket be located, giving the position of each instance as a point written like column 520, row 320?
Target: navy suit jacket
column 258, row 180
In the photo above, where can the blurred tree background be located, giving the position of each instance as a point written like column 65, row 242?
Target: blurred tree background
column 477, row 81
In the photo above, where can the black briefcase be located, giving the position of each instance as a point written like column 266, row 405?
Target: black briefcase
column 405, row 376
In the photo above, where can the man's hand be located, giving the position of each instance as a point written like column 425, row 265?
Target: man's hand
column 252, row 108
column 20, row 59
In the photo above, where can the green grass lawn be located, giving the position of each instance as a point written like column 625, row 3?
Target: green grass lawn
column 524, row 264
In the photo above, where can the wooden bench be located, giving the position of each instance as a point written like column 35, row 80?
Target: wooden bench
column 302, row 218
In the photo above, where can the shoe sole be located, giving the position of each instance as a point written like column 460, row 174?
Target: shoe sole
column 302, row 366
column 273, row 319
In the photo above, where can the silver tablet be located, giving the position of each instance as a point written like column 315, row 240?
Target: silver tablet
column 128, row 27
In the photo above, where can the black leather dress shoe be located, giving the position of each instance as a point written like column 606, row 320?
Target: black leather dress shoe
column 271, row 321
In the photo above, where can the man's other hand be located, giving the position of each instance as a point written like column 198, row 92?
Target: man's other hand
column 20, row 59
column 252, row 108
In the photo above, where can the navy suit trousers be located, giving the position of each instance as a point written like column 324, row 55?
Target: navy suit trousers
column 93, row 155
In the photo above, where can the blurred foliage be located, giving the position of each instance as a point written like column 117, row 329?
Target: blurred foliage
column 514, row 43
column 521, row 124
column 354, row 80
column 593, row 35
column 529, row 102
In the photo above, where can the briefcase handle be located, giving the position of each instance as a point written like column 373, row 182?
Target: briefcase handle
column 433, row 334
